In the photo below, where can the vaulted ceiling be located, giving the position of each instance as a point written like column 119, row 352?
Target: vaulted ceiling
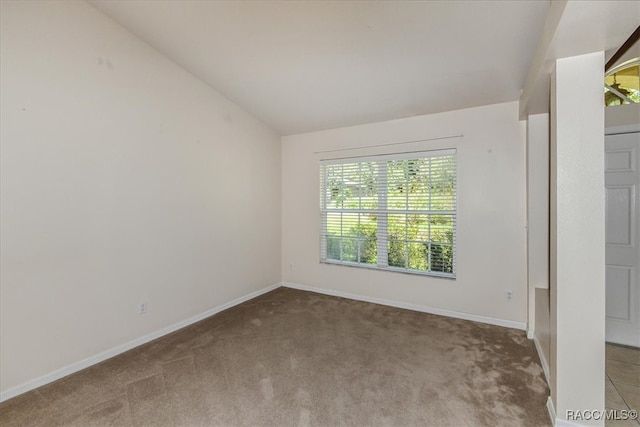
column 301, row 66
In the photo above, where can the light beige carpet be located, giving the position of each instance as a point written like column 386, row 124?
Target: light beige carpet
column 294, row 358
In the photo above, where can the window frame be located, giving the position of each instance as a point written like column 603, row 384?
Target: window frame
column 384, row 212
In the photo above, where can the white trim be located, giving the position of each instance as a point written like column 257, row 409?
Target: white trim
column 552, row 410
column 415, row 307
column 82, row 364
column 543, row 360
column 422, row 154
column 627, row 64
column 559, row 422
column 531, row 334
column 616, row 130
column 449, row 276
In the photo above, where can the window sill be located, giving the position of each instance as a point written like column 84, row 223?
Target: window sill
column 437, row 275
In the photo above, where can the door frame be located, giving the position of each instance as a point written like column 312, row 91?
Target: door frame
column 618, row 130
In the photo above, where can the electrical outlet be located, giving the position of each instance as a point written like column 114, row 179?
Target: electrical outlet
column 509, row 295
column 142, row 308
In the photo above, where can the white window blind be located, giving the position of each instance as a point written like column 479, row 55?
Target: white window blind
column 393, row 212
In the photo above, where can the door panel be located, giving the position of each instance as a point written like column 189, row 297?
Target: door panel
column 622, row 180
column 619, row 293
column 619, row 161
column 619, row 213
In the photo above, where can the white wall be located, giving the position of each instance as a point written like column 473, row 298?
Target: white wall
column 577, row 288
column 538, row 220
column 124, row 178
column 491, row 212
column 542, row 328
column 538, row 234
column 622, row 118
column 538, row 200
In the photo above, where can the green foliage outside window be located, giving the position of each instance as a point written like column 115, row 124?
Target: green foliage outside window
column 423, row 241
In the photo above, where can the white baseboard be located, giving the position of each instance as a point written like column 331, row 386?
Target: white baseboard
column 543, row 360
column 531, row 334
column 82, row 364
column 414, row 307
column 559, row 422
column 552, row 411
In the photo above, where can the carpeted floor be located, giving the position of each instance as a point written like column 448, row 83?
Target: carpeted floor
column 294, row 358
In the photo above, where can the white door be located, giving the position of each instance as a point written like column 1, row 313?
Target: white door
column 622, row 180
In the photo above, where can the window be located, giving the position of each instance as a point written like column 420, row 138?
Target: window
column 622, row 84
column 395, row 212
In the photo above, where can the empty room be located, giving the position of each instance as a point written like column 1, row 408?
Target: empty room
column 319, row 213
